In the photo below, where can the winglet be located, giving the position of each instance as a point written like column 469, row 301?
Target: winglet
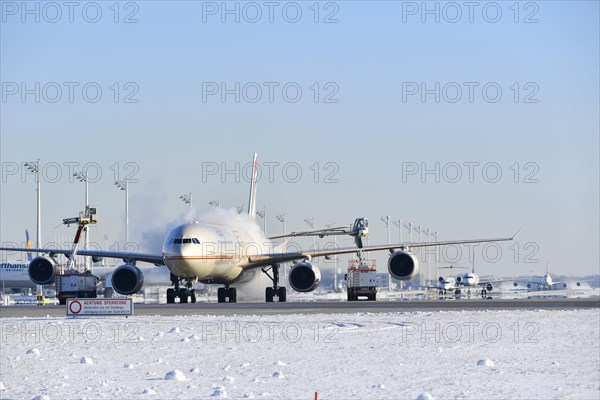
column 515, row 235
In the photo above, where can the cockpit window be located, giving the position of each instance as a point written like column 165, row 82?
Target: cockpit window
column 186, row 241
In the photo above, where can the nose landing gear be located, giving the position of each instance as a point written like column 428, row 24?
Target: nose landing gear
column 184, row 294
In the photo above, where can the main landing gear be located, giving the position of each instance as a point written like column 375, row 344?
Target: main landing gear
column 275, row 290
column 185, row 294
column 227, row 293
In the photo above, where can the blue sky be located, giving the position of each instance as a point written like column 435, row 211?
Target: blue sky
column 366, row 61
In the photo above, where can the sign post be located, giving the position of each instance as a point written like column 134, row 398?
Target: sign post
column 99, row 307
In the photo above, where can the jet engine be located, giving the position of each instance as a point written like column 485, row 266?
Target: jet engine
column 127, row 279
column 403, row 265
column 489, row 287
column 304, row 277
column 41, row 270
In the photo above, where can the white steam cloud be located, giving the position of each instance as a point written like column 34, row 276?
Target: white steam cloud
column 150, row 224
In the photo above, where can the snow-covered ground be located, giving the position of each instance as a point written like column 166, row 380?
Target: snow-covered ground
column 441, row 355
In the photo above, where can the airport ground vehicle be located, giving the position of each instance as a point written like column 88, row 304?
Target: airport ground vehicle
column 361, row 278
column 81, row 285
column 72, row 282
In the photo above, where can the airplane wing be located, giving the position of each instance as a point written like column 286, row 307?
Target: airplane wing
column 98, row 254
column 276, row 258
column 260, row 260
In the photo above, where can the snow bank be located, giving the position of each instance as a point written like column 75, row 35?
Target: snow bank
column 415, row 355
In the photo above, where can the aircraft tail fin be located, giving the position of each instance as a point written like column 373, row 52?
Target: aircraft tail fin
column 252, row 198
column 28, row 245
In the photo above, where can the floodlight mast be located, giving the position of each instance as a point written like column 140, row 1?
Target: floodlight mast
column 122, row 185
column 34, row 166
column 83, row 177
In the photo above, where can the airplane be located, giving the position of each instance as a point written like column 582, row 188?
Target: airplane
column 229, row 251
column 543, row 282
column 445, row 285
column 14, row 275
column 467, row 280
column 470, row 280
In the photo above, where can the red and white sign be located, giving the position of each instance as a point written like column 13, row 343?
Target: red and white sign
column 87, row 307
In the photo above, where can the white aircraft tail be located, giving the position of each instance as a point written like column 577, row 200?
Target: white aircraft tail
column 252, row 198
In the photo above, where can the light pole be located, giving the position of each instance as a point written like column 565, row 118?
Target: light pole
column 410, row 229
column 428, row 232
column 399, row 225
column 435, row 238
column 420, row 253
column 311, row 222
column 106, row 248
column 34, row 166
column 82, row 177
column 281, row 218
column 386, row 221
column 187, row 198
column 122, row 185
column 335, row 258
column 214, row 203
column 263, row 215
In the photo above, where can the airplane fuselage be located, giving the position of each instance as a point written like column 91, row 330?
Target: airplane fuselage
column 547, row 280
column 469, row 279
column 448, row 284
column 209, row 251
column 15, row 276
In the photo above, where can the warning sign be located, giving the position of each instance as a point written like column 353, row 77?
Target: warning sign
column 87, row 307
